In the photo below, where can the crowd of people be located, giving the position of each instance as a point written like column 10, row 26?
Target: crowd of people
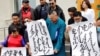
column 55, row 20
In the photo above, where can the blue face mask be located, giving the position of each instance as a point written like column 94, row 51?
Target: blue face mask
column 98, row 29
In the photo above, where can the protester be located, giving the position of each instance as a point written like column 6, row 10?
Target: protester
column 14, row 39
column 26, row 12
column 26, row 15
column 41, row 11
column 16, row 23
column 77, row 17
column 71, row 11
column 98, row 31
column 54, row 6
column 56, row 27
column 87, row 11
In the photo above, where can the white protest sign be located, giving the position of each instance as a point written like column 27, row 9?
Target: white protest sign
column 19, row 51
column 83, row 38
column 39, row 38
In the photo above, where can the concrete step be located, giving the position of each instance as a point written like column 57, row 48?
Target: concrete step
column 68, row 53
column 67, row 48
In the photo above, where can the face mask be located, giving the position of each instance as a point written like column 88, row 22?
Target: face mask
column 26, row 23
column 98, row 29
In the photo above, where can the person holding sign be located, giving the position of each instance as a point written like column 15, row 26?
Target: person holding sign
column 77, row 18
column 56, row 27
column 14, row 39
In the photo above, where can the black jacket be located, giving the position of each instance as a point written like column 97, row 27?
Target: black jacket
column 59, row 11
column 37, row 11
column 70, row 21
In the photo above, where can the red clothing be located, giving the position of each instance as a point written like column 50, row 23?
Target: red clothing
column 15, row 41
column 26, row 14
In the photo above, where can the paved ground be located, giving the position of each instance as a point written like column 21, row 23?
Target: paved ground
column 67, row 48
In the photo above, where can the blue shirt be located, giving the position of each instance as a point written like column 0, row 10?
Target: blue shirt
column 56, row 31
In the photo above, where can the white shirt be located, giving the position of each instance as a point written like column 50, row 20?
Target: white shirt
column 89, row 14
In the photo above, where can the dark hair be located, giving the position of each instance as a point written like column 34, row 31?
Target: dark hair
column 77, row 13
column 54, row 0
column 98, row 18
column 25, row 1
column 14, row 29
column 52, row 11
column 87, row 3
column 72, row 9
column 15, row 14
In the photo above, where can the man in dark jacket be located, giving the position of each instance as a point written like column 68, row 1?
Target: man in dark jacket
column 71, row 11
column 41, row 10
column 16, row 23
column 54, row 6
column 26, row 12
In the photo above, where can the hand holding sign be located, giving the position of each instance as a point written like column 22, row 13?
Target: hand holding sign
column 55, row 51
column 69, row 28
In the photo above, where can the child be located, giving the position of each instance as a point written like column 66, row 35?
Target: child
column 14, row 39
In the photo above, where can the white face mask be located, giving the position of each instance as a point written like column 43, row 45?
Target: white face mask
column 26, row 23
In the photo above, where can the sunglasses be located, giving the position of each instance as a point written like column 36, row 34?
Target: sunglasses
column 51, row 3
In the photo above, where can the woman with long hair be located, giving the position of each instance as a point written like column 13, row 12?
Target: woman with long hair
column 87, row 10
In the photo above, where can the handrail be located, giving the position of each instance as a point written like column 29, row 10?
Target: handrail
column 3, row 27
column 4, row 30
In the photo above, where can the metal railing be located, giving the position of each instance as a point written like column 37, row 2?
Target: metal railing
column 3, row 32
